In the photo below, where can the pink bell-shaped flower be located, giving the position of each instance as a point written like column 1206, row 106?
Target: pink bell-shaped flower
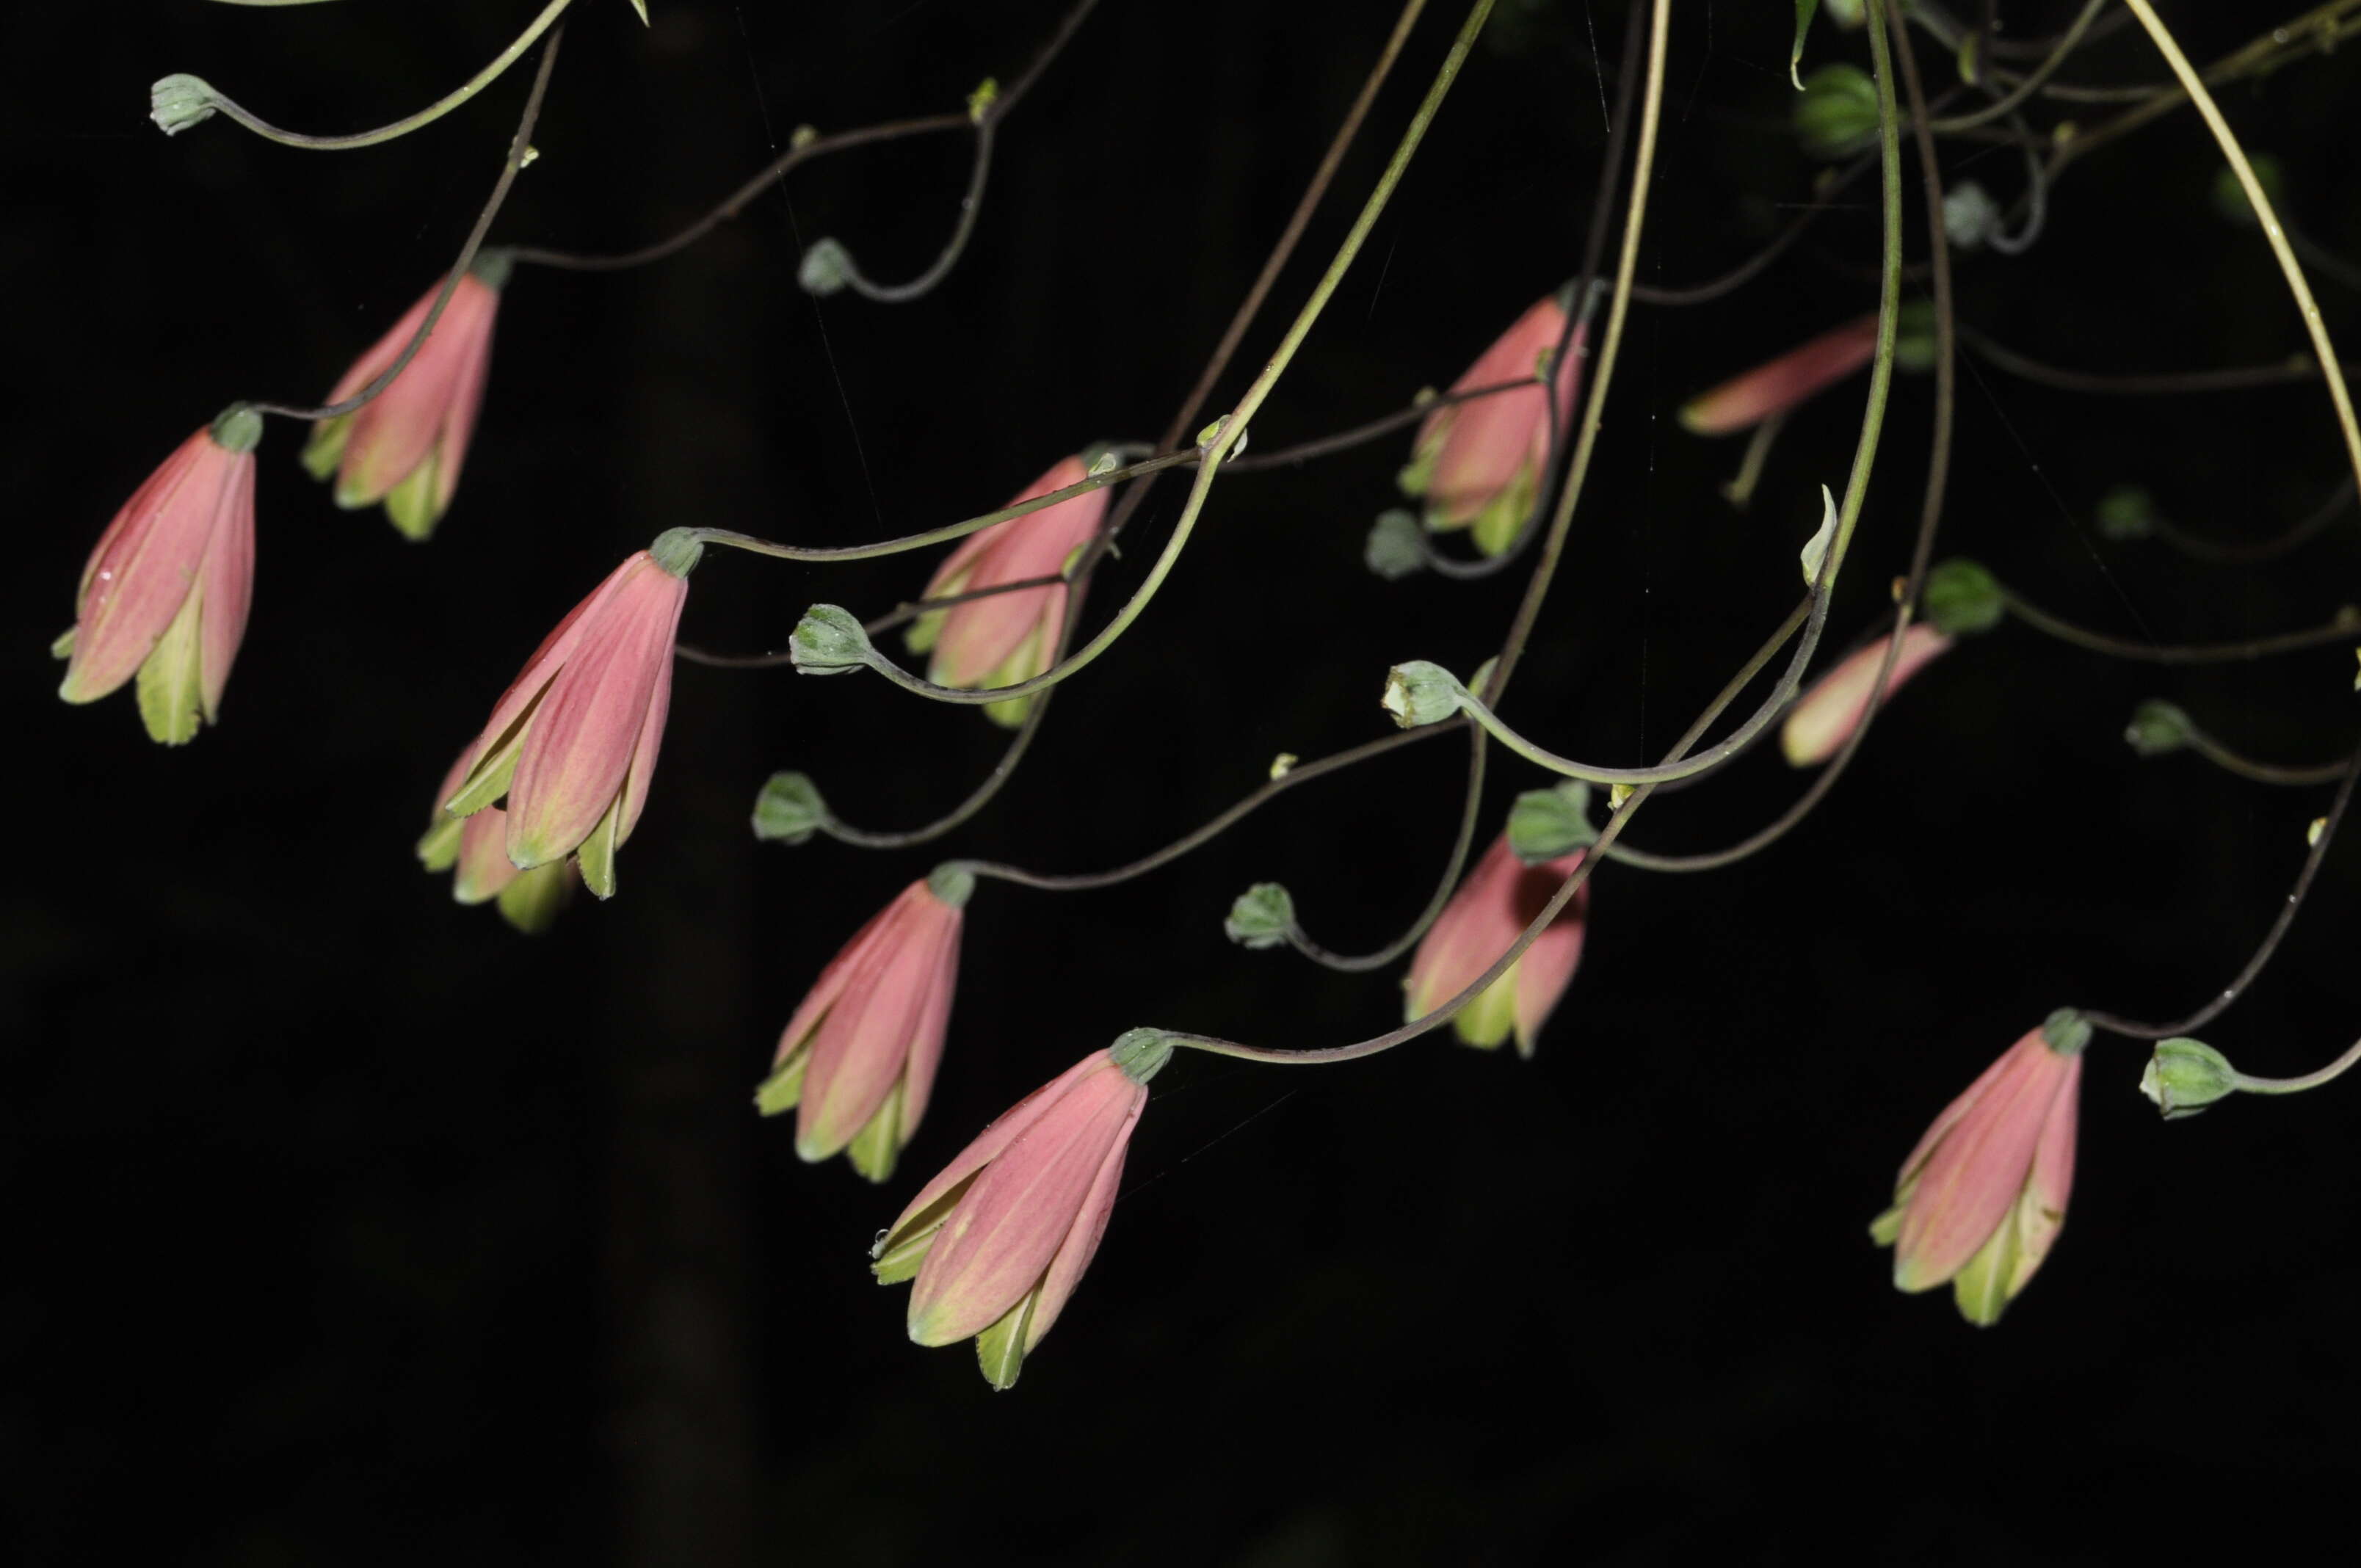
column 857, row 1061
column 1482, row 921
column 1477, row 464
column 406, row 445
column 165, row 594
column 572, row 744
column 1824, row 719
column 475, row 851
column 1746, row 400
column 998, row 1241
column 1006, row 638
column 1981, row 1198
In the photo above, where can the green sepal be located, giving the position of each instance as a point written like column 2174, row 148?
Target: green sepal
column 489, row 779
column 2067, row 1032
column 1000, row 1349
column 874, row 1148
column 1141, row 1053
column 438, row 846
column 1546, row 824
column 784, row 1090
column 1415, row 478
column 1961, row 598
column 1886, row 1227
column 534, row 899
column 172, row 694
column 596, row 853
column 62, row 645
column 1261, row 917
column 789, row 810
column 1490, row 1017
column 1497, row 526
column 1980, row 1288
column 953, row 882
column 326, row 447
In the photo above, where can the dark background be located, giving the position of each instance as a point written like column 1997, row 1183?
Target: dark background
column 349, row 1227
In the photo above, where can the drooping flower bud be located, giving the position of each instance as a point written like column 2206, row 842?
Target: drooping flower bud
column 998, row 1241
column 1501, row 897
column 1779, row 385
column 857, row 1060
column 572, row 744
column 1004, row 638
column 1551, row 823
column 1961, row 598
column 2157, row 728
column 180, row 101
column 165, row 594
column 1261, row 917
column 405, row 446
column 789, row 810
column 1824, row 719
column 828, row 640
column 1477, row 464
column 2184, row 1075
column 1420, row 693
column 1981, row 1200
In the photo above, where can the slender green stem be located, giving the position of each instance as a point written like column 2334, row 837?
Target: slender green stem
column 2249, row 1084
column 1234, row 425
column 402, row 127
column 970, row 205
column 2067, row 43
column 2345, row 627
column 2133, row 1029
column 519, row 145
column 2277, row 773
column 1602, row 378
column 2229, row 379
column 1301, row 773
column 1470, row 802
column 949, row 531
column 2308, row 308
column 2225, row 553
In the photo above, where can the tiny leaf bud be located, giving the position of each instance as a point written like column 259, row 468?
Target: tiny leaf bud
column 979, row 102
column 1397, row 546
column 2157, row 728
column 1261, row 917
column 1815, row 548
column 1548, row 824
column 180, row 101
column 1282, row 765
column 2185, row 1076
column 829, row 641
column 1961, row 597
column 1420, row 693
column 789, row 810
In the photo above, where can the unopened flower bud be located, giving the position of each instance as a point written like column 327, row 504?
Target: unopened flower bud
column 2126, row 512
column 1961, row 597
column 1838, row 111
column 2157, row 728
column 1970, row 216
column 2185, row 1076
column 789, row 810
column 1397, row 546
column 2067, row 1032
column 1261, row 917
column 1420, row 693
column 1549, row 824
column 180, row 101
column 826, row 268
column 979, row 102
column 829, row 641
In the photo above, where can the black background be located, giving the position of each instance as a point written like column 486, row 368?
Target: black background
column 348, row 1227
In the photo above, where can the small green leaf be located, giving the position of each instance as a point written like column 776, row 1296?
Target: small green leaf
column 1804, row 9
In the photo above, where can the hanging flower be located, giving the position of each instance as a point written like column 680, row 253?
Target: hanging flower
column 857, row 1061
column 1501, row 897
column 1983, row 1195
column 406, row 445
column 1006, row 638
column 999, row 1240
column 1478, row 464
column 572, row 744
column 165, row 594
column 475, row 850
column 1773, row 388
column 1824, row 719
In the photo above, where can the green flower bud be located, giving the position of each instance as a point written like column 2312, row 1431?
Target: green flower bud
column 789, row 810
column 826, row 268
column 1261, row 917
column 1420, row 693
column 2067, row 1032
column 1397, row 546
column 1961, row 597
column 2157, row 728
column 2126, row 512
column 1838, row 111
column 829, row 641
column 1970, row 216
column 2185, row 1076
column 180, row 101
column 1548, row 824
